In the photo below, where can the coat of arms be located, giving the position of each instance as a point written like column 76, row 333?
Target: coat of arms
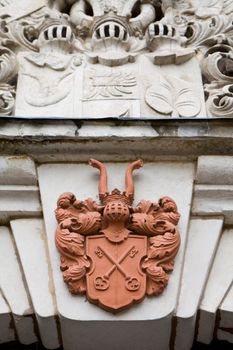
column 112, row 251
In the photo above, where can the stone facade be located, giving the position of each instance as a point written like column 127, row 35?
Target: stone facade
column 116, row 81
column 150, row 59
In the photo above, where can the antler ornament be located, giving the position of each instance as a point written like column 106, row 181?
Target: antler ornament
column 112, row 251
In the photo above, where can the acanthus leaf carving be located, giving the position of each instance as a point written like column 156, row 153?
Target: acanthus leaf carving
column 201, row 33
column 7, row 99
column 209, row 29
column 217, row 68
column 23, row 31
column 158, row 221
column 8, row 72
column 113, row 252
column 160, row 261
column 75, row 218
column 220, row 100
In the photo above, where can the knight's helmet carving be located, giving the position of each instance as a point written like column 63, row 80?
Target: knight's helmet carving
column 55, row 33
column 111, row 23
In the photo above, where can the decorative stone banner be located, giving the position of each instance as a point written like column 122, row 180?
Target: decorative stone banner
column 35, row 303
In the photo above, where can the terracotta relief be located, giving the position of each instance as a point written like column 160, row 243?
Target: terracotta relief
column 114, row 252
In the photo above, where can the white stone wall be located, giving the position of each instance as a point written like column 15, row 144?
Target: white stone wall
column 35, row 299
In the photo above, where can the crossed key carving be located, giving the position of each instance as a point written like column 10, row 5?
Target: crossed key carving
column 102, row 282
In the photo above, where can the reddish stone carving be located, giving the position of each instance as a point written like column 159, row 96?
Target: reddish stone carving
column 114, row 252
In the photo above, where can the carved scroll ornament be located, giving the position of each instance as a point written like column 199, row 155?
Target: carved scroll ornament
column 114, row 252
column 60, row 38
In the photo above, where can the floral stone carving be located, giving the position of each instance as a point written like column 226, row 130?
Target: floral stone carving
column 142, row 44
column 159, row 49
column 114, row 252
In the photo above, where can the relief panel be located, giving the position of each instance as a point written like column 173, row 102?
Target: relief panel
column 64, row 48
column 114, row 252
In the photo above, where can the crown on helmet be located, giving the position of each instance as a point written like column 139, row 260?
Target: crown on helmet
column 53, row 18
column 110, row 15
column 55, row 28
column 116, row 196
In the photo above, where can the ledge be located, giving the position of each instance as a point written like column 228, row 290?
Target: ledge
column 119, row 141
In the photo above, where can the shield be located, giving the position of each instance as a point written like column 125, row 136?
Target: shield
column 116, row 280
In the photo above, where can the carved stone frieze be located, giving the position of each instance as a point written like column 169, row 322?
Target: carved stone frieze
column 210, row 30
column 115, row 252
column 56, row 42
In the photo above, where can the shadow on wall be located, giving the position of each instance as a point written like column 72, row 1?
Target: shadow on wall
column 215, row 345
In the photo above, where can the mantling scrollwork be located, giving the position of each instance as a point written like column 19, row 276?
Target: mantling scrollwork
column 210, row 30
column 158, row 221
column 75, row 219
column 218, row 71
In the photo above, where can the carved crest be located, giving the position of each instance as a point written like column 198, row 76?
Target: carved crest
column 114, row 252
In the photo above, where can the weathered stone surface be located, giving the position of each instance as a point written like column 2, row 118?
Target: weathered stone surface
column 202, row 243
column 215, row 170
column 153, row 141
column 219, row 282
column 144, row 59
column 213, row 200
column 15, row 290
column 7, row 332
column 17, row 171
column 30, row 241
column 225, row 325
column 18, row 202
column 18, row 188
